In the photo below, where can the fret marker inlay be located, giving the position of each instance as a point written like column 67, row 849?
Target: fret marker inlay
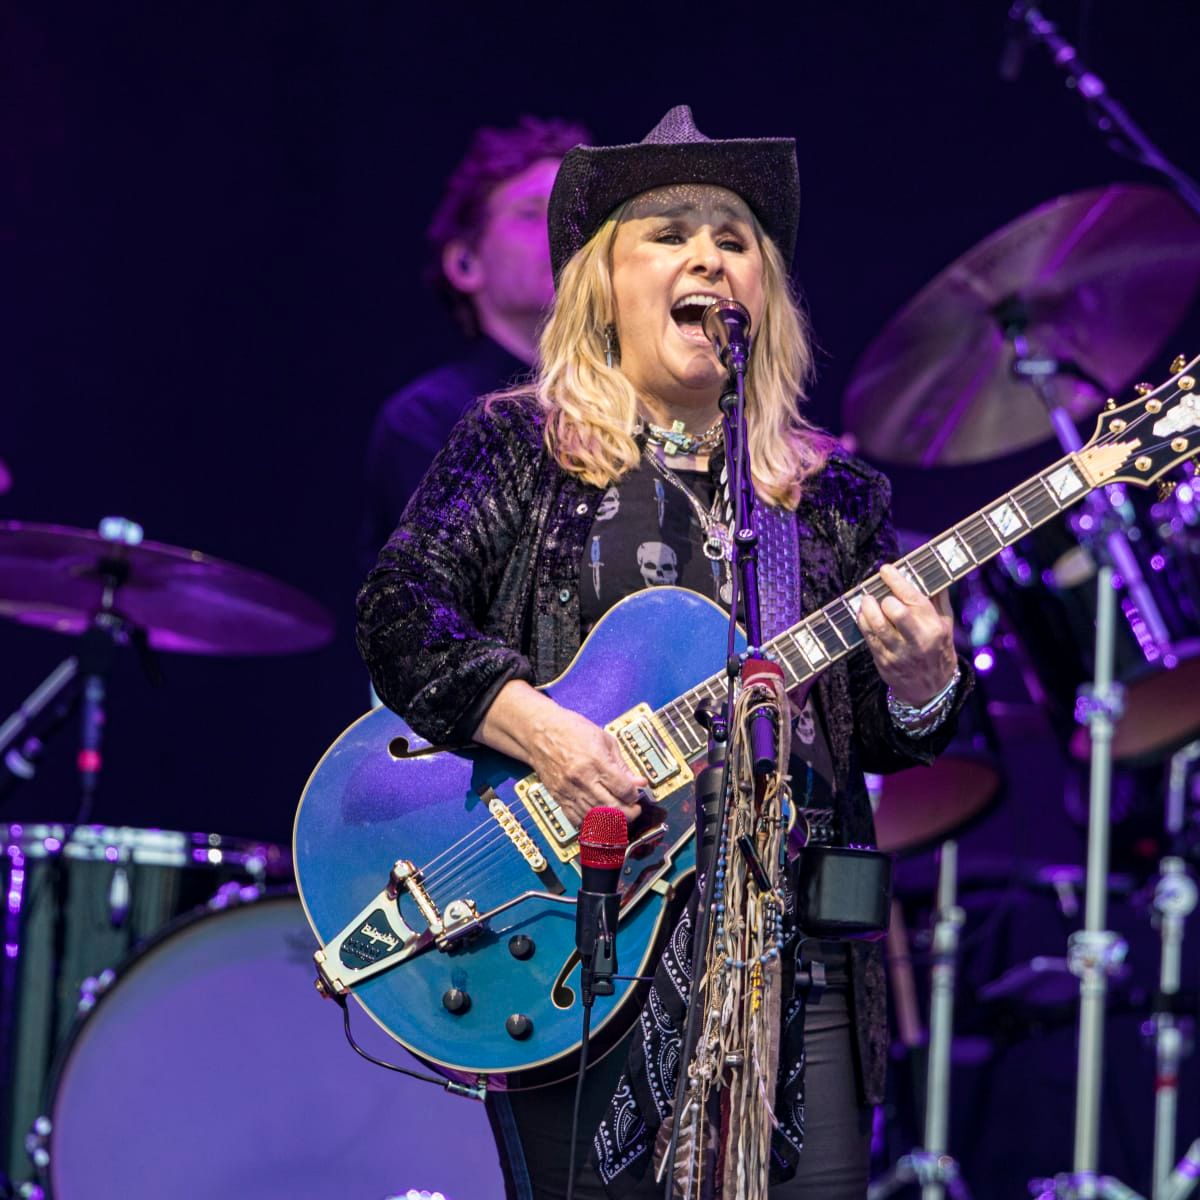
column 1005, row 520
column 950, row 551
column 810, row 647
column 1065, row 482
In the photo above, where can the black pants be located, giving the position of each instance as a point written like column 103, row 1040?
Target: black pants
column 533, row 1128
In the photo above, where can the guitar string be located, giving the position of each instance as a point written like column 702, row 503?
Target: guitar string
column 472, row 855
column 481, row 843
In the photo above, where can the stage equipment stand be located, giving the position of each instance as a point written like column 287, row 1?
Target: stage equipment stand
column 1174, row 900
column 1093, row 952
column 1119, row 129
column 931, row 1165
column 727, row 325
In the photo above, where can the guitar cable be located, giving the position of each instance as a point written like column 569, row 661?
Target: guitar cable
column 475, row 1091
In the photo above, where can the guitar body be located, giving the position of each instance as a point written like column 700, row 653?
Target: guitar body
column 363, row 808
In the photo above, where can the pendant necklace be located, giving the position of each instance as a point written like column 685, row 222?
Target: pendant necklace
column 718, row 542
column 677, row 440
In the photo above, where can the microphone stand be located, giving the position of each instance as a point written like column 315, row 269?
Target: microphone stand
column 734, row 356
column 1124, row 135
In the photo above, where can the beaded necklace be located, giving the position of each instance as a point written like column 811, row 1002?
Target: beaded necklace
column 677, row 440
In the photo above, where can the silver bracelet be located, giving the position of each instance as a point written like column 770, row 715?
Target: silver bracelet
column 914, row 720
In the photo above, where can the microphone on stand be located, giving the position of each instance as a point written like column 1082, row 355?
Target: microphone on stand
column 726, row 324
column 603, row 840
column 602, row 844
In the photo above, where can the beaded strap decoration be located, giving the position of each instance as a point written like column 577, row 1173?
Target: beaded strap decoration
column 732, row 1075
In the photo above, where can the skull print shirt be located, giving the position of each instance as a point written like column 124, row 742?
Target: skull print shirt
column 646, row 534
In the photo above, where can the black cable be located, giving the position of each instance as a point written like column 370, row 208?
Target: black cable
column 449, row 1085
column 583, row 1057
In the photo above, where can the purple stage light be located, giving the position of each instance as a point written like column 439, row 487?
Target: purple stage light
column 985, row 659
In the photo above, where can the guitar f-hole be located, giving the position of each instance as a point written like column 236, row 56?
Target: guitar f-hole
column 562, row 994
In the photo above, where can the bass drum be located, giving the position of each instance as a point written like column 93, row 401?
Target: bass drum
column 211, row 1067
column 79, row 901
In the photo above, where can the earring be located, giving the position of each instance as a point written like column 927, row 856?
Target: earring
column 611, row 350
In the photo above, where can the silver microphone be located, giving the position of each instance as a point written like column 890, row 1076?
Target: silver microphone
column 726, row 324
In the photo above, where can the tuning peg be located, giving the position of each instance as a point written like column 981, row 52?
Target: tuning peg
column 1143, row 389
column 1109, row 404
column 1165, row 488
column 1178, row 363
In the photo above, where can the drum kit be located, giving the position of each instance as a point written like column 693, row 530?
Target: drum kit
column 158, row 1034
column 158, row 1030
column 1011, row 344
column 157, row 1021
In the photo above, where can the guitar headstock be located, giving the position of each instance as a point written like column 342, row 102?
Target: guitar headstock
column 1142, row 440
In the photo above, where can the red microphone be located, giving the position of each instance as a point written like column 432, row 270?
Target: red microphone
column 602, row 843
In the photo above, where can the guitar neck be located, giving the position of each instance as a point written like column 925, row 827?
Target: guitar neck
column 830, row 633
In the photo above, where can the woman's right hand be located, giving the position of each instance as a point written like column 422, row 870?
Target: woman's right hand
column 578, row 761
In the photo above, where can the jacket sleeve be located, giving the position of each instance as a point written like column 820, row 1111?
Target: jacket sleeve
column 423, row 626
column 869, row 541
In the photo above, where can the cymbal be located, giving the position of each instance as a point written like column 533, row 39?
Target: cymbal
column 1098, row 280
column 53, row 576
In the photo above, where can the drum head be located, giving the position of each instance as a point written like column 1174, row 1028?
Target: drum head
column 212, row 1068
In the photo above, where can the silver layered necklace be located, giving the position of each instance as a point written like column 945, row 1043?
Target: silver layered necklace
column 718, row 541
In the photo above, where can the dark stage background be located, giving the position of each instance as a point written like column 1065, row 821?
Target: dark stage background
column 212, row 243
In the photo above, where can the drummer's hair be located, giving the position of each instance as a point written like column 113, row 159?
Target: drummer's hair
column 591, row 407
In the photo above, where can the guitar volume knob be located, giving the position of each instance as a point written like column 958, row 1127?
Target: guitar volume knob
column 519, row 1026
column 521, row 946
column 456, row 1001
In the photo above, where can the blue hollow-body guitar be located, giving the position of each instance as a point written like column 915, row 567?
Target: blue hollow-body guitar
column 440, row 884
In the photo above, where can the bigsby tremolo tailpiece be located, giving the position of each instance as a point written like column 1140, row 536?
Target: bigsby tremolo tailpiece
column 379, row 938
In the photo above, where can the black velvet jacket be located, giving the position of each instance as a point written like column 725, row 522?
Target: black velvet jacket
column 479, row 584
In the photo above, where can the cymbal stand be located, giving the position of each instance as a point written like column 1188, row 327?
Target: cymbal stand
column 1120, row 130
column 1094, row 952
column 79, row 680
column 1108, row 536
column 1175, row 897
column 931, row 1165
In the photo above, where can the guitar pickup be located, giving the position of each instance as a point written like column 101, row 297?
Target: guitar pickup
column 549, row 816
column 651, row 750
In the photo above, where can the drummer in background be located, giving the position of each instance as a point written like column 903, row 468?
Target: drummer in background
column 489, row 261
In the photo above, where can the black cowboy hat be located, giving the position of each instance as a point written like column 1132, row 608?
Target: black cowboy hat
column 593, row 180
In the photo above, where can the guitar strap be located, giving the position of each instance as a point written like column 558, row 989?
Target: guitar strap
column 779, row 583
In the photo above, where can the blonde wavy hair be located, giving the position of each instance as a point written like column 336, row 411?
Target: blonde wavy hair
column 591, row 408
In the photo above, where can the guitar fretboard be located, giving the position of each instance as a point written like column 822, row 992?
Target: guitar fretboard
column 830, row 633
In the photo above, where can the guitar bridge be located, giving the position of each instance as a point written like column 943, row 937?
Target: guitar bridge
column 379, row 938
